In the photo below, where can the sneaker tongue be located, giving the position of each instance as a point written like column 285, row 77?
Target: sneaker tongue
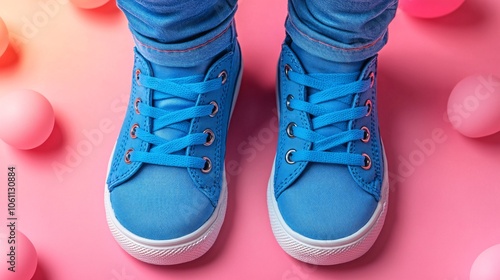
column 175, row 103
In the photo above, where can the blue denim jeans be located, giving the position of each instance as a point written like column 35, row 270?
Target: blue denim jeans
column 185, row 33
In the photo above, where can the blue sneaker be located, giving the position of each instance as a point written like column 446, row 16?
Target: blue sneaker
column 166, row 192
column 328, row 191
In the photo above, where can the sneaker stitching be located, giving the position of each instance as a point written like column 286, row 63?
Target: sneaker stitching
column 297, row 170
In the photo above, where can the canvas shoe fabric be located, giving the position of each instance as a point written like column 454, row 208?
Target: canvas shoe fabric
column 166, row 192
column 328, row 190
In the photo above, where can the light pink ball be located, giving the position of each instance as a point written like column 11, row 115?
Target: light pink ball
column 429, row 8
column 474, row 106
column 4, row 37
column 486, row 266
column 27, row 119
column 89, row 4
column 25, row 256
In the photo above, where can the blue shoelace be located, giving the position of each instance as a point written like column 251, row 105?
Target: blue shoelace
column 330, row 87
column 169, row 152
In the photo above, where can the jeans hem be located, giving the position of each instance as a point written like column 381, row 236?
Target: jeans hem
column 329, row 49
column 187, row 54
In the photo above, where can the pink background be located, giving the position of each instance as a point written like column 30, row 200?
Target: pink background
column 444, row 208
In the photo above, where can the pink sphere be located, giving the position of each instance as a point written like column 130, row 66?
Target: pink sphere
column 486, row 266
column 25, row 259
column 89, row 4
column 4, row 37
column 27, row 119
column 429, row 8
column 474, row 106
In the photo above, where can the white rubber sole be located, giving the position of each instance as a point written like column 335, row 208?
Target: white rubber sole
column 327, row 252
column 174, row 251
column 178, row 250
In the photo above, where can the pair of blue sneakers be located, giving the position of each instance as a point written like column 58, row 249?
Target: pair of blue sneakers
column 166, row 193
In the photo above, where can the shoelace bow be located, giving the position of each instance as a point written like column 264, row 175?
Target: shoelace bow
column 163, row 152
column 331, row 87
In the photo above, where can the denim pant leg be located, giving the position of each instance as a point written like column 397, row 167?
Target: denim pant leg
column 180, row 33
column 340, row 30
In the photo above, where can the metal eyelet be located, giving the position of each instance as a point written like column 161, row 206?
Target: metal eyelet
column 372, row 78
column 223, row 74
column 288, row 99
column 288, row 156
column 127, row 156
column 368, row 162
column 215, row 109
column 289, row 129
column 133, row 131
column 288, row 68
column 208, row 165
column 210, row 137
column 366, row 136
column 136, row 105
column 368, row 103
column 137, row 73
